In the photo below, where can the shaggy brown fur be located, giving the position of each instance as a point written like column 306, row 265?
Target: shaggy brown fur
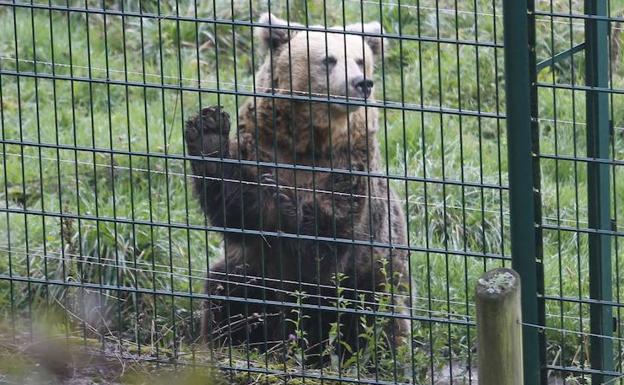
column 261, row 272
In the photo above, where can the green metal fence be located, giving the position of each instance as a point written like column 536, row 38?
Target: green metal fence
column 562, row 112
column 498, row 127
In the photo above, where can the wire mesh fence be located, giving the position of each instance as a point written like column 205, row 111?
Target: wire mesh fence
column 329, row 220
column 579, row 143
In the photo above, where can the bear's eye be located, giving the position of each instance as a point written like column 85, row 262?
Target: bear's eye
column 360, row 62
column 329, row 61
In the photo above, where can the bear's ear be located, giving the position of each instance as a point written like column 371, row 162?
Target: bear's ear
column 374, row 42
column 272, row 38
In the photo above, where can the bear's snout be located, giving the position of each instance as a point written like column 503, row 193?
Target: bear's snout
column 363, row 86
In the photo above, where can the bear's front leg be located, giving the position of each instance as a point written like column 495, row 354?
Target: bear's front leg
column 283, row 200
column 207, row 136
column 232, row 195
column 334, row 213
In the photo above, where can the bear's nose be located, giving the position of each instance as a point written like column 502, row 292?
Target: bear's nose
column 363, row 85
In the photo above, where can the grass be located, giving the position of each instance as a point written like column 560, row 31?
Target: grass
column 111, row 195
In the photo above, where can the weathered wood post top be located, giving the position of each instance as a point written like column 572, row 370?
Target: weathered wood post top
column 499, row 328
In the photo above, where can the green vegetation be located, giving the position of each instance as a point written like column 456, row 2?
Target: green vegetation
column 109, row 196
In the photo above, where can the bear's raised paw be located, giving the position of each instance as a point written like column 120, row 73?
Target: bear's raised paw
column 208, row 131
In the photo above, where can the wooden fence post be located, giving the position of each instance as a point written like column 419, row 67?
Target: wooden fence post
column 499, row 328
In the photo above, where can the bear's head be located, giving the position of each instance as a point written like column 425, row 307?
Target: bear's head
column 318, row 63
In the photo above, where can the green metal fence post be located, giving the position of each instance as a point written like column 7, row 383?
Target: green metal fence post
column 523, row 174
column 599, row 215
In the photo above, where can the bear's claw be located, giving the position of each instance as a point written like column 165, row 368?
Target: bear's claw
column 268, row 180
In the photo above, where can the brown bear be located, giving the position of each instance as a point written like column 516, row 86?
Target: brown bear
column 308, row 218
